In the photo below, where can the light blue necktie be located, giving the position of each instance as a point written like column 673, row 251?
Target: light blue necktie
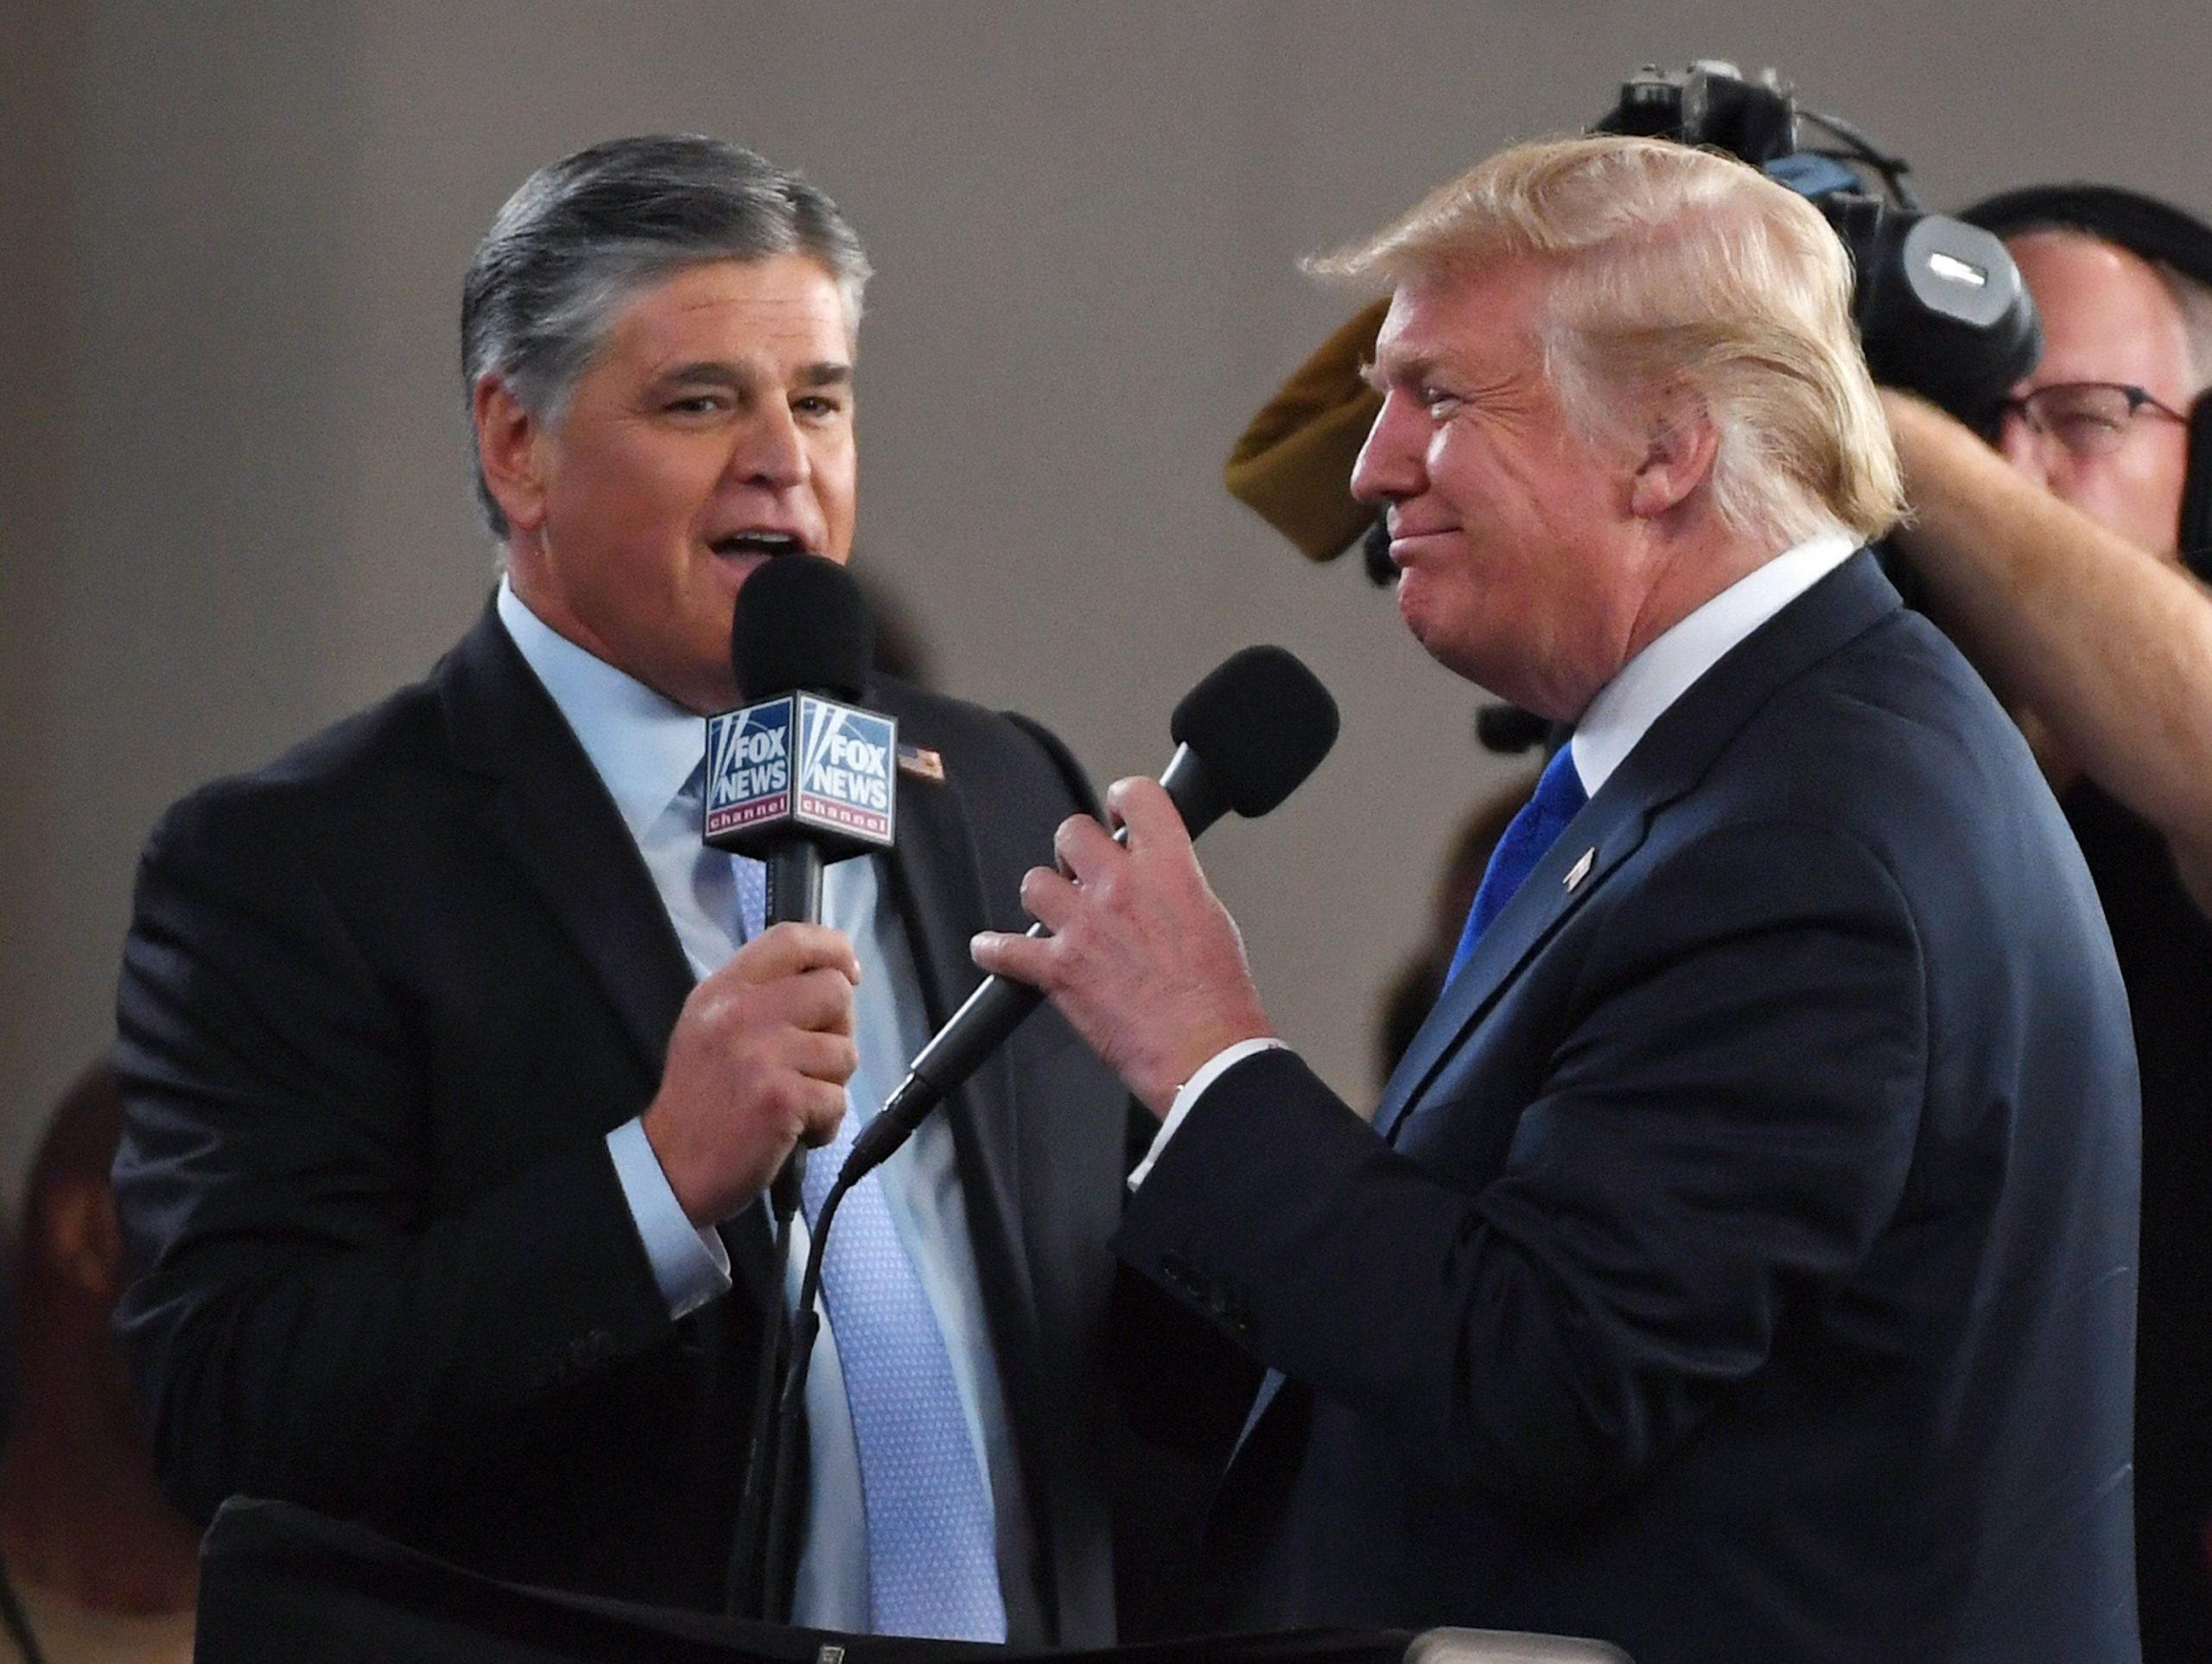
column 1558, row 798
column 932, row 1540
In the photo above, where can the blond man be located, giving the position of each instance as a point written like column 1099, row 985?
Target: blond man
column 1738, row 1264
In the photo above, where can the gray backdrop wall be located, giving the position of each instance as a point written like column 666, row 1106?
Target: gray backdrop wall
column 231, row 444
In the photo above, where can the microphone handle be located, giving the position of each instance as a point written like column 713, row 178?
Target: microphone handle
column 794, row 897
column 795, row 882
column 992, row 1012
column 999, row 1004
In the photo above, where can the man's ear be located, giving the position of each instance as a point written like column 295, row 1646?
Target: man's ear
column 82, row 1240
column 1678, row 459
column 508, row 449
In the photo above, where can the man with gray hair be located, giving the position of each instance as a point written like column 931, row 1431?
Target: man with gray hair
column 1739, row 1262
column 456, row 1065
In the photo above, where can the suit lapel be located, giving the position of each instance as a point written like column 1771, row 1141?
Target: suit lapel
column 938, row 881
column 1669, row 760
column 1597, row 841
column 552, row 814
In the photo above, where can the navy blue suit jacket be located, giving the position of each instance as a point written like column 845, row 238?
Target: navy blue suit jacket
column 1740, row 1265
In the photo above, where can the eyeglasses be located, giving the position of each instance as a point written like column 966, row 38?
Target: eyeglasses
column 2088, row 418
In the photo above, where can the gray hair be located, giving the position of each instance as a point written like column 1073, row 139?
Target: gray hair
column 583, row 235
column 2195, row 300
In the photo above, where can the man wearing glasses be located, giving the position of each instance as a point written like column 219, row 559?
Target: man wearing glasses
column 2079, row 602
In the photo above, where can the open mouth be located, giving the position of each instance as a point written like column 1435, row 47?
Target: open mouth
column 758, row 543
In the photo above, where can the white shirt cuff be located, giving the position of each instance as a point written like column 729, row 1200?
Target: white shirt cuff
column 689, row 1264
column 1188, row 1094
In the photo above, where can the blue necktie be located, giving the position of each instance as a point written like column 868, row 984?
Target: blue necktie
column 932, row 1539
column 1558, row 798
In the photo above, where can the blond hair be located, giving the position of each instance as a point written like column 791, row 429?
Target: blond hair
column 1678, row 268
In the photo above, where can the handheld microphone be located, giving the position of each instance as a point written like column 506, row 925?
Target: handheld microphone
column 798, row 779
column 1246, row 737
column 794, row 777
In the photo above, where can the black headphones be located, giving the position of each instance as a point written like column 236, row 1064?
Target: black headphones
column 2154, row 231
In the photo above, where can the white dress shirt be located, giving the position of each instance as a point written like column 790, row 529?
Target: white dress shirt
column 644, row 748
column 1621, row 714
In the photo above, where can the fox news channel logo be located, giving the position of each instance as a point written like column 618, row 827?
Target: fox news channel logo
column 848, row 768
column 749, row 767
column 801, row 760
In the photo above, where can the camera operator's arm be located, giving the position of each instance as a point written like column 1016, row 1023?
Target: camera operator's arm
column 2109, row 646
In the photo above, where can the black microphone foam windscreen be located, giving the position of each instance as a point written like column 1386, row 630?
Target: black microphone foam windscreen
column 1261, row 722
column 800, row 623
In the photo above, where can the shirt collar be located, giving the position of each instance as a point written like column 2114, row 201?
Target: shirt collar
column 644, row 748
column 1626, row 706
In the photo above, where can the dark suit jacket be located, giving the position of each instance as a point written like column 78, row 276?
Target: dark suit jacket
column 380, row 1004
column 1746, row 1268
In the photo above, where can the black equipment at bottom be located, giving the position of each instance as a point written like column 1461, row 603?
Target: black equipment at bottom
column 279, row 1583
